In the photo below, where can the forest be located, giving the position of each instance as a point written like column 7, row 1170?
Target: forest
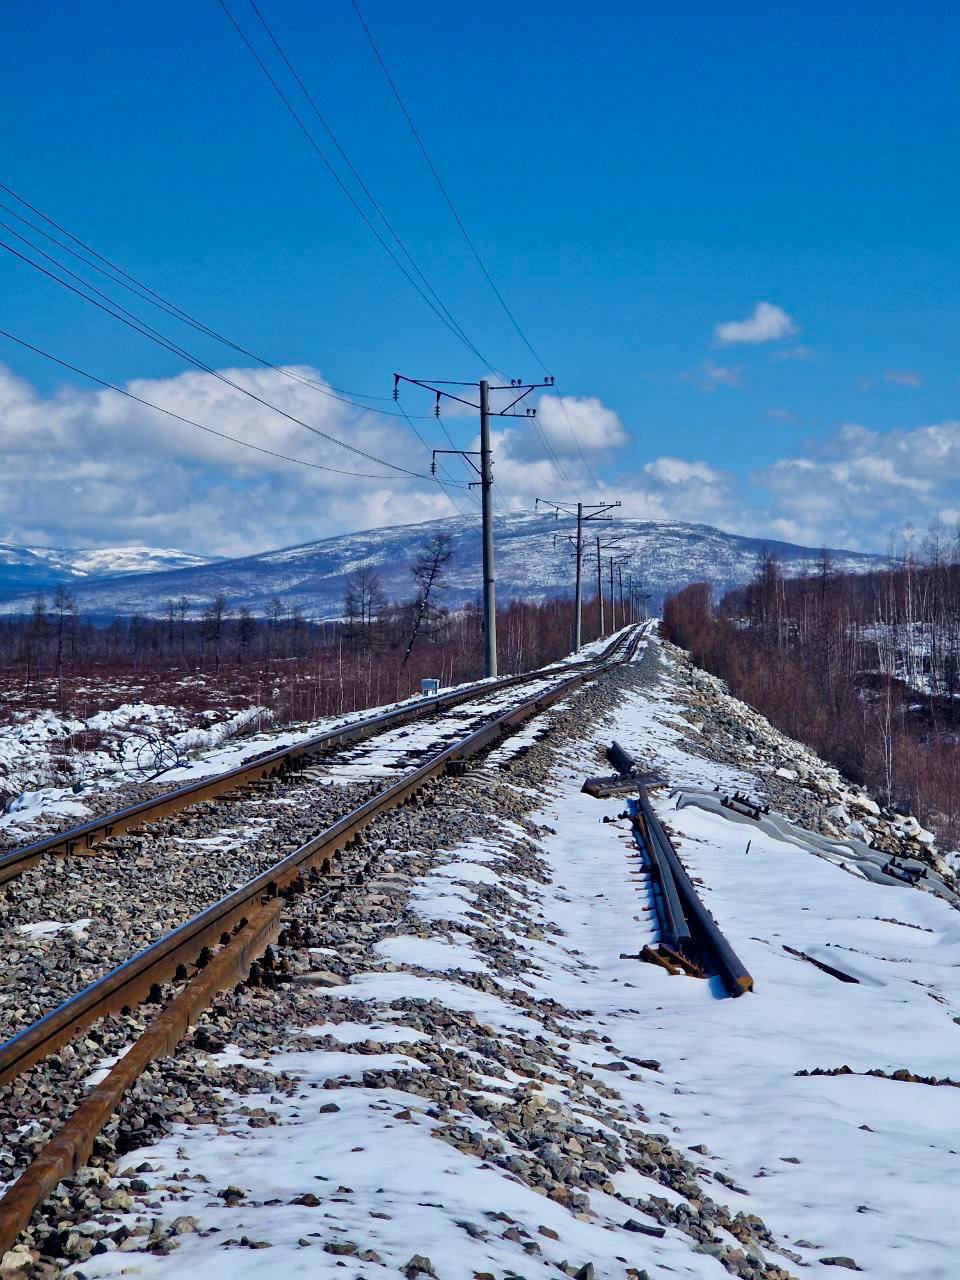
column 864, row 668
column 52, row 657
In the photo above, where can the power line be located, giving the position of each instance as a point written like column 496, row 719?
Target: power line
column 438, row 310
column 366, row 190
column 476, row 254
column 147, row 294
column 429, row 449
column 134, row 322
column 443, row 189
column 576, row 439
column 357, row 176
column 110, row 386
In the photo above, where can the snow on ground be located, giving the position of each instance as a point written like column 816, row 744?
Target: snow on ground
column 837, row 1167
column 30, row 745
column 40, row 748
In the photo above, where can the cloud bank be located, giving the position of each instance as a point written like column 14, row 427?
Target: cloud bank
column 90, row 468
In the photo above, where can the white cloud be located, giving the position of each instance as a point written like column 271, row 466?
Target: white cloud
column 860, row 485
column 795, row 353
column 91, row 468
column 596, row 427
column 781, row 415
column 719, row 375
column 84, row 468
column 670, row 488
column 523, row 465
column 768, row 323
column 903, row 378
column 679, row 471
column 94, row 468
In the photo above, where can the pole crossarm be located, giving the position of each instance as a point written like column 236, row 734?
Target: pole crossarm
column 459, row 453
column 519, row 390
column 436, row 388
column 584, row 511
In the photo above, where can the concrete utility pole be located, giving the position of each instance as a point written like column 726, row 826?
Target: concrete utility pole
column 486, row 501
column 578, row 592
column 584, row 512
column 612, row 545
column 618, row 565
column 519, row 391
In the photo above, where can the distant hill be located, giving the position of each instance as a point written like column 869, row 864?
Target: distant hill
column 533, row 561
column 44, row 568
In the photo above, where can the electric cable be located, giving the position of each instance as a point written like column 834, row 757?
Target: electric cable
column 134, row 322
column 130, row 395
column 450, row 323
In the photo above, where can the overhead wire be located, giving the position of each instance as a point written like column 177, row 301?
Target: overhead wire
column 437, row 307
column 134, row 322
column 367, row 192
column 179, row 417
column 148, row 294
column 439, row 181
column 551, row 453
column 353, row 169
column 426, row 444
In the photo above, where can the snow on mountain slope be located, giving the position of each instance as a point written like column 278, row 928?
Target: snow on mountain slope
column 43, row 568
column 100, row 562
column 533, row 560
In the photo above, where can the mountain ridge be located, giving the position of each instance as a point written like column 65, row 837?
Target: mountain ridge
column 34, row 568
column 531, row 562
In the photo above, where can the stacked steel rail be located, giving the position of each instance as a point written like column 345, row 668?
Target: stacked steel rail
column 688, row 932
column 243, row 923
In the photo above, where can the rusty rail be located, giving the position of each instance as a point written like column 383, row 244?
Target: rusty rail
column 687, row 927
column 245, row 923
column 88, row 834
column 64, row 1154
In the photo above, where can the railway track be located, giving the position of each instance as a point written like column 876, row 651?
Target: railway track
column 84, row 837
column 217, row 947
column 70, row 918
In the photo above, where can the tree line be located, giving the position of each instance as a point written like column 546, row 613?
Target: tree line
column 864, row 668
column 297, row 668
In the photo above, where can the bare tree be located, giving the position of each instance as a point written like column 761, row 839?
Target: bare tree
column 363, row 603
column 276, row 612
column 213, row 620
column 65, row 616
column 246, row 630
column 428, row 570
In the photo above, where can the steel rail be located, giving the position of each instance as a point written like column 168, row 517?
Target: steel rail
column 254, row 931
column 70, row 1147
column 88, row 834
column 131, row 982
column 731, row 969
column 685, row 920
column 674, row 926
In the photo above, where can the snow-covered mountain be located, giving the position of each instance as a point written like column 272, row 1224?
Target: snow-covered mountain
column 534, row 560
column 42, row 568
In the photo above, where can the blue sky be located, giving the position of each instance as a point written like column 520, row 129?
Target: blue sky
column 634, row 176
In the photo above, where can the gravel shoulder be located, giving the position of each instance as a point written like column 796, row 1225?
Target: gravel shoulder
column 456, row 1069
